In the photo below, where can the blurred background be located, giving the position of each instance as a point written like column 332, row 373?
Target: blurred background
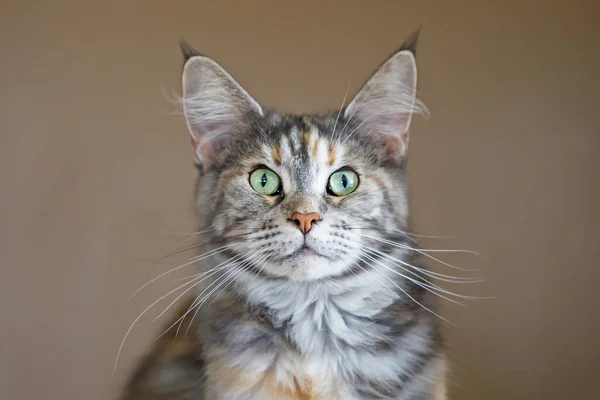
column 96, row 173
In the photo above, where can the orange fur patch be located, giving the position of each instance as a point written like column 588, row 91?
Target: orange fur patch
column 331, row 154
column 236, row 378
column 276, row 155
column 439, row 389
column 230, row 377
column 230, row 176
column 301, row 389
column 376, row 178
column 315, row 148
column 306, row 137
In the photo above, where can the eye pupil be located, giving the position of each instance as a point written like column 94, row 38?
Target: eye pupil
column 263, row 180
column 344, row 181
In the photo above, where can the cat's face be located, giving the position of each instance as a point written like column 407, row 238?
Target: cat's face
column 300, row 198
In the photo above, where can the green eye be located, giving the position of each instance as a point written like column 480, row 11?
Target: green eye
column 265, row 182
column 342, row 182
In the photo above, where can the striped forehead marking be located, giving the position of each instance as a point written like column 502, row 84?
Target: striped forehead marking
column 307, row 156
column 295, row 140
column 331, row 154
column 305, row 145
column 276, row 155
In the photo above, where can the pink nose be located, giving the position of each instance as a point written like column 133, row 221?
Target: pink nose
column 304, row 221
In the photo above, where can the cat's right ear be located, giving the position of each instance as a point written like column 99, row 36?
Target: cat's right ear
column 215, row 106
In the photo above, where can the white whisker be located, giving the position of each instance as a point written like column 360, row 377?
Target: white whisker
column 208, row 229
column 212, row 271
column 422, row 236
column 424, row 252
column 340, row 112
column 352, row 115
column 192, row 261
column 230, row 263
column 432, row 288
column 361, row 124
column 143, row 313
column 426, row 283
column 408, row 295
column 241, row 269
column 431, row 274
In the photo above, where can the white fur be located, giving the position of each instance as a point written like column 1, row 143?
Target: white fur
column 313, row 310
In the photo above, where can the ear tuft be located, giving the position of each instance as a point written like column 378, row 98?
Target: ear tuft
column 187, row 50
column 411, row 42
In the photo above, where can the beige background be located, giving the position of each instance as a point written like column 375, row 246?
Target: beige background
column 96, row 173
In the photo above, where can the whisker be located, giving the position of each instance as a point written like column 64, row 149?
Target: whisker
column 410, row 236
column 425, row 251
column 431, row 274
column 361, row 124
column 340, row 111
column 191, row 235
column 207, row 229
column 212, row 271
column 196, row 301
column 353, row 113
column 423, row 236
column 232, row 277
column 408, row 295
column 182, row 318
column 191, row 307
column 263, row 257
column 247, row 230
column 143, row 313
column 192, row 261
column 262, row 267
column 223, row 279
column 218, row 240
column 373, row 228
column 429, row 284
column 430, row 288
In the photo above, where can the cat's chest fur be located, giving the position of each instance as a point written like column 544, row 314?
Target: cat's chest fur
column 359, row 343
column 307, row 342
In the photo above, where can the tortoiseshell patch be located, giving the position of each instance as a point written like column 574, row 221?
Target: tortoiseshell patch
column 331, row 154
column 439, row 390
column 267, row 383
column 276, row 155
column 229, row 176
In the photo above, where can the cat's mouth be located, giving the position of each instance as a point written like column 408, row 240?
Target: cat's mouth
column 305, row 251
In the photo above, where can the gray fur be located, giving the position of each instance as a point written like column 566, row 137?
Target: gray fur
column 345, row 323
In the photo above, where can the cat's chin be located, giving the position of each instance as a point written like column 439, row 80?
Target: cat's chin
column 308, row 265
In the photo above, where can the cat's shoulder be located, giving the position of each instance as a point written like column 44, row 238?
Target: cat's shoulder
column 174, row 367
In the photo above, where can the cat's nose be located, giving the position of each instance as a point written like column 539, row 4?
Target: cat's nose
column 304, row 221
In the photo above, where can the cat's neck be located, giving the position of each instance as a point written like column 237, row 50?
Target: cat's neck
column 283, row 294
column 316, row 314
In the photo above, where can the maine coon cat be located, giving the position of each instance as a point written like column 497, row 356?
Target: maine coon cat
column 312, row 288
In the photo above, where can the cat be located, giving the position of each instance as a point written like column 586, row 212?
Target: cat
column 316, row 290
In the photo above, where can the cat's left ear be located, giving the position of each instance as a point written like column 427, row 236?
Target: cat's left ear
column 383, row 108
column 215, row 106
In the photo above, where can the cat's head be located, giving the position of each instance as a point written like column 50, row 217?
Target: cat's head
column 300, row 197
